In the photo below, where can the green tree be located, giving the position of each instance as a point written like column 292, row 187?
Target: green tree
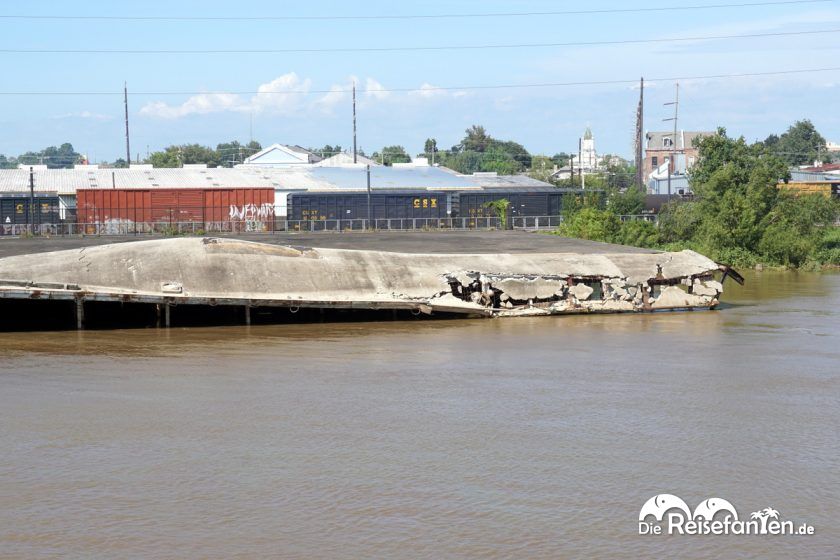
column 166, row 158
column 800, row 145
column 391, row 155
column 232, row 153
column 737, row 186
column 591, row 223
column 328, row 151
column 186, row 154
column 61, row 157
column 479, row 151
column 562, row 159
column 430, row 150
column 542, row 168
column 500, row 207
column 8, row 163
column 476, row 140
column 629, row 202
column 638, row 233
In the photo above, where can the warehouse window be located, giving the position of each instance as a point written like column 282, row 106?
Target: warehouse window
column 654, row 161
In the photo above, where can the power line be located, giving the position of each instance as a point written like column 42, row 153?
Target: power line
column 437, row 88
column 418, row 48
column 409, row 16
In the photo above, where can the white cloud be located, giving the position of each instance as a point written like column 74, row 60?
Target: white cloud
column 428, row 91
column 431, row 91
column 375, row 90
column 85, row 115
column 505, row 103
column 283, row 95
column 288, row 95
column 201, row 104
column 331, row 99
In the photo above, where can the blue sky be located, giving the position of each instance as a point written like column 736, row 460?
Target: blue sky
column 545, row 120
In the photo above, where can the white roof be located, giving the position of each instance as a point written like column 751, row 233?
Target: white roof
column 343, row 159
column 67, row 181
column 278, row 155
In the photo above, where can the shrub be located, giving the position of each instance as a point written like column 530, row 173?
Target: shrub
column 591, row 223
column 783, row 244
column 638, row 233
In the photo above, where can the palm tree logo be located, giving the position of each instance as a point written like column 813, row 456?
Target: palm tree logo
column 764, row 515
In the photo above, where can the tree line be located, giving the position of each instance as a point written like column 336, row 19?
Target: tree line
column 738, row 214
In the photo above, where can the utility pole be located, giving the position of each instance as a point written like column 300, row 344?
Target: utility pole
column 31, row 200
column 127, row 142
column 354, row 127
column 580, row 163
column 640, row 118
column 672, row 163
column 369, row 216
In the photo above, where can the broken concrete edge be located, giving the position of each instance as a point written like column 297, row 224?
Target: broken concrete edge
column 529, row 294
column 234, row 272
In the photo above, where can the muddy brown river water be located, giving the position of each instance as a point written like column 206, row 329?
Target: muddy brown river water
column 521, row 438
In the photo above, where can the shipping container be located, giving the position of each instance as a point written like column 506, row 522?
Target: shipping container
column 15, row 214
column 525, row 204
column 139, row 209
column 403, row 210
column 825, row 188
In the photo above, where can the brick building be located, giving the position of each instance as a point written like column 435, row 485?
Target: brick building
column 659, row 147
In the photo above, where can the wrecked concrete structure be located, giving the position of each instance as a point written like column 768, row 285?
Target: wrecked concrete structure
column 230, row 272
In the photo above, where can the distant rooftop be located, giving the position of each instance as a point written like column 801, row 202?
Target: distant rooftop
column 662, row 140
column 66, row 181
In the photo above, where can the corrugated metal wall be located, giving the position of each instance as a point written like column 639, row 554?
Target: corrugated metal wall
column 14, row 209
column 471, row 204
column 353, row 206
column 111, row 206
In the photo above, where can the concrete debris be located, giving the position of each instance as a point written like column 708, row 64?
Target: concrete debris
column 581, row 292
column 674, row 297
column 171, row 287
column 215, row 271
column 529, row 288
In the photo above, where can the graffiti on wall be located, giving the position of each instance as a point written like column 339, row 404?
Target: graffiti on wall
column 254, row 216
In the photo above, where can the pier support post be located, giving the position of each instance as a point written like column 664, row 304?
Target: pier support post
column 80, row 314
column 248, row 315
column 157, row 315
column 166, row 315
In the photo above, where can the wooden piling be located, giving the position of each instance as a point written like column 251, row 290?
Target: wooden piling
column 80, row 314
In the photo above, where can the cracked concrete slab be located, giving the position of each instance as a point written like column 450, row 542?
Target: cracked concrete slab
column 189, row 270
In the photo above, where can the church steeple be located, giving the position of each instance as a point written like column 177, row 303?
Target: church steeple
column 588, row 134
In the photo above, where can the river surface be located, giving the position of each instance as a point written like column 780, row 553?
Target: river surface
column 509, row 438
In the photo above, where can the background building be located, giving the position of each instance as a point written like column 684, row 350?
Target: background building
column 659, row 149
column 282, row 156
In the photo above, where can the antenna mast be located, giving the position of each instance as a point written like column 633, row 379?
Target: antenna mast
column 640, row 117
column 127, row 142
column 354, row 121
column 672, row 162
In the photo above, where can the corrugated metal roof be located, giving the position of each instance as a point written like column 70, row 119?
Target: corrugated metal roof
column 67, row 181
column 491, row 180
column 797, row 175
